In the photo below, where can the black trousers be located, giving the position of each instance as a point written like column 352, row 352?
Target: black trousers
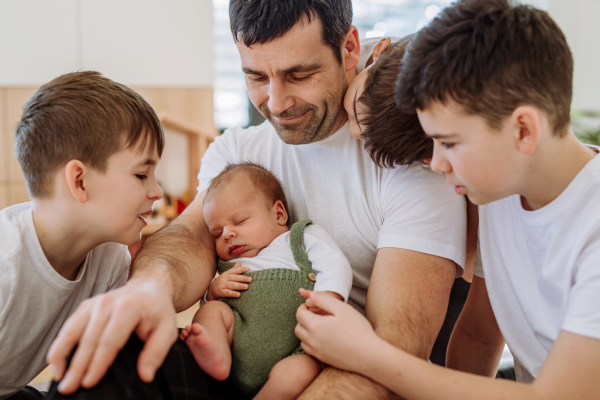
column 180, row 377
column 27, row 393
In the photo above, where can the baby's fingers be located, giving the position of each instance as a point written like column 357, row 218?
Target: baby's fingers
column 239, row 278
column 230, row 293
column 237, row 269
column 236, row 286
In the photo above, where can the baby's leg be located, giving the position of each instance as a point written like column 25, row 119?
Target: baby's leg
column 289, row 377
column 210, row 337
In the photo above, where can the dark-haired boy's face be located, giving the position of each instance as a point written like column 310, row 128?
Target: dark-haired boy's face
column 297, row 83
column 478, row 160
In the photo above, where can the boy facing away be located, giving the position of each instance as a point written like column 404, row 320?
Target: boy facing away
column 246, row 211
column 492, row 85
column 88, row 148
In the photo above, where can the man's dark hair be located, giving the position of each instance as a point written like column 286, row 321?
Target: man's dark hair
column 261, row 21
column 490, row 57
column 83, row 116
column 392, row 137
column 259, row 176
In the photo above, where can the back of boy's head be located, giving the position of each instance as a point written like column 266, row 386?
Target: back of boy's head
column 392, row 137
column 490, row 57
column 83, row 116
column 261, row 178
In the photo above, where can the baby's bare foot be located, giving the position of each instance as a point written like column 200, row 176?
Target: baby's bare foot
column 185, row 332
column 210, row 356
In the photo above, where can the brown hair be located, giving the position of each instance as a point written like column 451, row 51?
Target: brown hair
column 83, row 116
column 490, row 57
column 392, row 137
column 261, row 178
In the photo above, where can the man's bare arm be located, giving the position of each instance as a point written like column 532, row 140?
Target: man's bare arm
column 406, row 304
column 172, row 271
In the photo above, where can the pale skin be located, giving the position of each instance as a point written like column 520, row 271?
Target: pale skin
column 243, row 222
column 175, row 267
column 486, row 164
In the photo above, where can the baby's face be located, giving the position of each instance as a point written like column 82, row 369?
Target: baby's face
column 355, row 90
column 241, row 220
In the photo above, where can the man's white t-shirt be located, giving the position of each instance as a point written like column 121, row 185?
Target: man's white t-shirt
column 542, row 268
column 334, row 183
column 35, row 300
column 331, row 267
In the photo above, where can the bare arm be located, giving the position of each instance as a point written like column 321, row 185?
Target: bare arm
column 406, row 304
column 476, row 343
column 171, row 272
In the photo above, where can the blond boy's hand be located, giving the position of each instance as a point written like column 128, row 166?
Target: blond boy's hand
column 229, row 283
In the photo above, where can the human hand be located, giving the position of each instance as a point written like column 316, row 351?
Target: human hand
column 101, row 326
column 229, row 283
column 338, row 335
column 309, row 303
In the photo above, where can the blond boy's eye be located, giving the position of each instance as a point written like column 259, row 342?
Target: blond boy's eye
column 141, row 176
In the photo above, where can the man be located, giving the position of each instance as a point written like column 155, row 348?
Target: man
column 402, row 229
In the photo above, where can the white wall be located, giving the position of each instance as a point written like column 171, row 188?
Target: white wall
column 152, row 43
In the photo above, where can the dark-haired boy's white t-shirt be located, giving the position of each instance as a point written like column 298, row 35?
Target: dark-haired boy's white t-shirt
column 542, row 268
column 35, row 300
column 334, row 183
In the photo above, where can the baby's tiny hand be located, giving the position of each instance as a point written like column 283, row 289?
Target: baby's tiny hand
column 229, row 283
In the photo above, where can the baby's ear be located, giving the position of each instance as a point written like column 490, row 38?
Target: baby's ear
column 380, row 47
column 280, row 213
column 76, row 174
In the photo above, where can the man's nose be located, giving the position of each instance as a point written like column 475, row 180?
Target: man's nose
column 280, row 98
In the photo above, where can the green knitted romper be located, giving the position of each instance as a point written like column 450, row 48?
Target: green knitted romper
column 265, row 316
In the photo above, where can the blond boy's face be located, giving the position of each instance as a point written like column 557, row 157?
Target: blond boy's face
column 121, row 197
column 479, row 161
column 241, row 220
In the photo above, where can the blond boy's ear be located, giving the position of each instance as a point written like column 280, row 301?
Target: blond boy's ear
column 380, row 47
column 280, row 213
column 76, row 174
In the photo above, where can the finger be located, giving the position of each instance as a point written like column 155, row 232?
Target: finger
column 230, row 293
column 327, row 303
column 310, row 304
column 240, row 278
column 115, row 334
column 305, row 293
column 155, row 350
column 67, row 339
column 85, row 350
column 301, row 333
column 236, row 286
column 304, row 316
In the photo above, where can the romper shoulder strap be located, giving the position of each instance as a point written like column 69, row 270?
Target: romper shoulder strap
column 297, row 244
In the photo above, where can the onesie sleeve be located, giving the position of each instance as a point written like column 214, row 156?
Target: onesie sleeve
column 334, row 273
column 422, row 213
column 583, row 314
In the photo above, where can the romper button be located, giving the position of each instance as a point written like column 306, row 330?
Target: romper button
column 312, row 277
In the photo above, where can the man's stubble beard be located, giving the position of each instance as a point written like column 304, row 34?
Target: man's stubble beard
column 320, row 123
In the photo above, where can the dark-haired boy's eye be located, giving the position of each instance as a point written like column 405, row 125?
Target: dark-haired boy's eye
column 140, row 176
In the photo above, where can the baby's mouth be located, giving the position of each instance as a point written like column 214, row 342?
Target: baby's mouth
column 236, row 249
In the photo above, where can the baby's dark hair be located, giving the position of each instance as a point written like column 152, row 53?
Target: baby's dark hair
column 263, row 179
column 83, row 116
column 392, row 137
column 490, row 57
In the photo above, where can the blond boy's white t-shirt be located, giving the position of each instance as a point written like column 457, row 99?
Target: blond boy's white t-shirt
column 35, row 300
column 542, row 268
column 334, row 183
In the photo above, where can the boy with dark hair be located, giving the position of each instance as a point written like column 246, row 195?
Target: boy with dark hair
column 492, row 85
column 88, row 148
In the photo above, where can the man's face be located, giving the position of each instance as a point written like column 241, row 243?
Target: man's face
column 297, row 83
column 479, row 161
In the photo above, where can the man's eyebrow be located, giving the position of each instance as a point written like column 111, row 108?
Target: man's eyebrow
column 290, row 70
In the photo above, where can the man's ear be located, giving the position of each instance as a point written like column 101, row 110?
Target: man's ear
column 351, row 49
column 76, row 174
column 280, row 212
column 527, row 124
column 380, row 47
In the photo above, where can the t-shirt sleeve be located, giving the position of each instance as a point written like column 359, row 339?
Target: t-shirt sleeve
column 422, row 213
column 478, row 265
column 121, row 272
column 8, row 284
column 334, row 273
column 583, row 311
column 219, row 153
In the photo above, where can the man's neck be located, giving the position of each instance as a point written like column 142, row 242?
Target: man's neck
column 553, row 170
column 65, row 238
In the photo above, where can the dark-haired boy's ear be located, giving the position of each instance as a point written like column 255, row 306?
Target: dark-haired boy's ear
column 75, row 174
column 280, row 212
column 527, row 120
column 381, row 47
column 351, row 49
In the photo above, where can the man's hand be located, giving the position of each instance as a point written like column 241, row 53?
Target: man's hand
column 101, row 326
column 229, row 283
column 314, row 308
